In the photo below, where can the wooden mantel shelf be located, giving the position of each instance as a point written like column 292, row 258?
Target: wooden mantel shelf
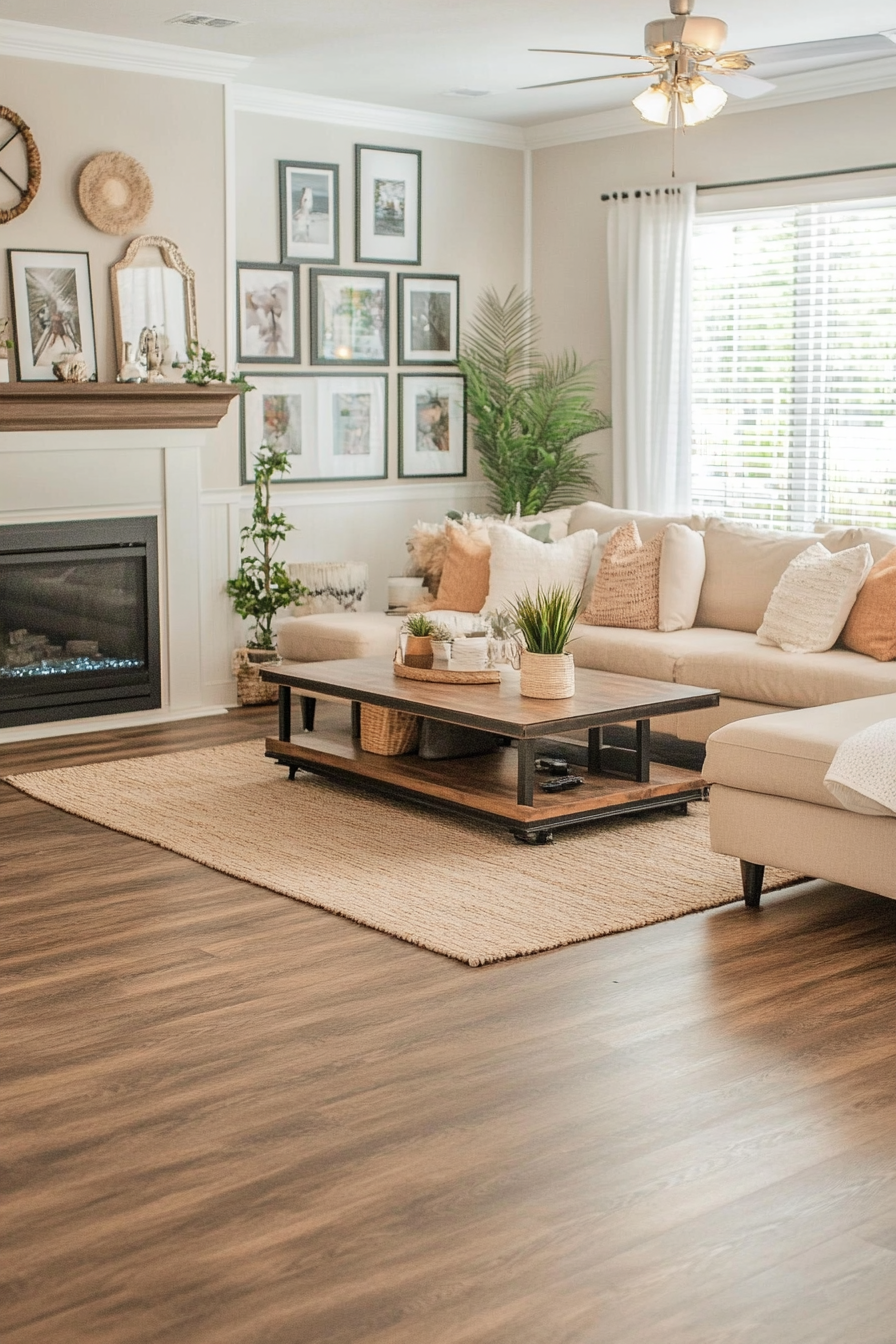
column 68, row 406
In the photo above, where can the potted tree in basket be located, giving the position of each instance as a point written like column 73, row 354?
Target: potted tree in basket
column 262, row 585
column 545, row 623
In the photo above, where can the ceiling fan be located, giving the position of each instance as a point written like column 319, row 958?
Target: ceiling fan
column 684, row 57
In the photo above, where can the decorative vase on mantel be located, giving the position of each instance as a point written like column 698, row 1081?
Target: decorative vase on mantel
column 547, row 676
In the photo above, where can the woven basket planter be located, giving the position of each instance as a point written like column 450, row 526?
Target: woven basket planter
column 388, row 732
column 547, row 676
column 250, row 689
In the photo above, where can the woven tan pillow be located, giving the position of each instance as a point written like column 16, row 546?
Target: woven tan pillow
column 465, row 574
column 627, row 588
column 871, row 625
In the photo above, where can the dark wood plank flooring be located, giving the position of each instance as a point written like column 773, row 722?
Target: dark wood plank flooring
column 232, row 1119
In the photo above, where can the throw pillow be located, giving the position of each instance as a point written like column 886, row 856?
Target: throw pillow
column 550, row 526
column 813, row 598
column 862, row 776
column 428, row 546
column 871, row 625
column 743, row 564
column 682, row 567
column 627, row 589
column 465, row 573
column 842, row 538
column 520, row 565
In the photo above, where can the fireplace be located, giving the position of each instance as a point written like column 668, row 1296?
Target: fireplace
column 79, row 620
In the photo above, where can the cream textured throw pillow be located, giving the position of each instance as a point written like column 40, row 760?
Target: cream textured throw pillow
column 627, row 588
column 862, row 776
column 813, row 598
column 520, row 565
column 682, row 567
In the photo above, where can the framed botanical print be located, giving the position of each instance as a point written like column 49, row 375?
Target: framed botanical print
column 387, row 204
column 428, row 325
column 349, row 317
column 432, row 424
column 268, row 300
column 332, row 426
column 52, row 311
column 309, row 211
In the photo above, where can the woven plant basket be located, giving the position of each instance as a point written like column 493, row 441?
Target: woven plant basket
column 388, row 732
column 250, row 689
column 547, row 676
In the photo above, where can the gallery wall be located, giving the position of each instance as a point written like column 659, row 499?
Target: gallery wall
column 569, row 218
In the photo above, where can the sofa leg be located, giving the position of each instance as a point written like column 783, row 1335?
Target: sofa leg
column 751, row 875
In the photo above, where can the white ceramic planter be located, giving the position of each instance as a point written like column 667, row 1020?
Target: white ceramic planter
column 547, row 676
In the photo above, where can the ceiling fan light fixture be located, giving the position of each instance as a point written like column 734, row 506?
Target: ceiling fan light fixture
column 655, row 103
column 700, row 100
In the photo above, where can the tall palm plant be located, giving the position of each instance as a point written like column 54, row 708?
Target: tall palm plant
column 529, row 410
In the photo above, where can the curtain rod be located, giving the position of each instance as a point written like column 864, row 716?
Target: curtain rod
column 762, row 181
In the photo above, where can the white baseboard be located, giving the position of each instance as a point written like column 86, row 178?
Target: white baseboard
column 145, row 718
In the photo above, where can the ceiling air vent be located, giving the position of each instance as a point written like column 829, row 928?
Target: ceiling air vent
column 204, row 21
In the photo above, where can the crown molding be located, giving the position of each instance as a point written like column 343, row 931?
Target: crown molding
column 813, row 86
column 35, row 41
column 375, row 116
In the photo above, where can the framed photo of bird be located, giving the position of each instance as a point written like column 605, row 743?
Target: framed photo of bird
column 52, row 311
column 309, row 212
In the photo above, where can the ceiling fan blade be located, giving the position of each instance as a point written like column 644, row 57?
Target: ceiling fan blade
column 741, row 85
column 863, row 48
column 566, row 51
column 590, row 79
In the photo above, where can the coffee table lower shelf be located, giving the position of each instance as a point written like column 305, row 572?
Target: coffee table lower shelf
column 485, row 787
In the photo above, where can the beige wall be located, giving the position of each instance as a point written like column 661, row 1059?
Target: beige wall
column 569, row 219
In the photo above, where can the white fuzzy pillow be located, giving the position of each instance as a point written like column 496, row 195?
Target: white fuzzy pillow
column 862, row 776
column 520, row 565
column 682, row 567
column 813, row 598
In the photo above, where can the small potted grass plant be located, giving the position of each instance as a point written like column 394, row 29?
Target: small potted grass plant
column 545, row 623
column 420, row 630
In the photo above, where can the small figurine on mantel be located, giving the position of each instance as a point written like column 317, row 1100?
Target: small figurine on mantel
column 131, row 371
column 151, row 349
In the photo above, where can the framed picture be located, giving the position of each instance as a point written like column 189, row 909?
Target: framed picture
column 331, row 425
column 309, row 211
column 428, row 320
column 349, row 317
column 387, row 204
column 268, row 298
column 432, row 424
column 52, row 311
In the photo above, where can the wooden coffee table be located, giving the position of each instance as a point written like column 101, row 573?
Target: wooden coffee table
column 502, row 786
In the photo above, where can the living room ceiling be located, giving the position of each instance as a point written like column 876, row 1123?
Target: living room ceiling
column 415, row 53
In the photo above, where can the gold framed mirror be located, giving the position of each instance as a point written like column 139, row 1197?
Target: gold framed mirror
column 153, row 307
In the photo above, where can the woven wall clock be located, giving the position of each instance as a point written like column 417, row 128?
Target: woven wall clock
column 19, row 166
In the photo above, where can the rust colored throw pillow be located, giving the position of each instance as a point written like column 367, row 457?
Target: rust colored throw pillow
column 871, row 625
column 465, row 574
column 627, row 588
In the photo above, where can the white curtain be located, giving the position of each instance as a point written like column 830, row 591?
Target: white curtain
column 649, row 257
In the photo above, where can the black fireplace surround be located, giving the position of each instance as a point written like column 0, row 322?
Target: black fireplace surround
column 79, row 620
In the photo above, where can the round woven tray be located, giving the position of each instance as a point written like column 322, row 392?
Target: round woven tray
column 485, row 678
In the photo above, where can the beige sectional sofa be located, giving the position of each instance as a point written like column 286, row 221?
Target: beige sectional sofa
column 720, row 651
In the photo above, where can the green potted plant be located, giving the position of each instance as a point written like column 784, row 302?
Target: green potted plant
column 419, row 630
column 528, row 410
column 262, row 585
column 545, row 622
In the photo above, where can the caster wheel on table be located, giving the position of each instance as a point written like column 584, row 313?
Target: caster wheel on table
column 528, row 838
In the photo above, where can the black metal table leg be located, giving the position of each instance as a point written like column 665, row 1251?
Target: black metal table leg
column 595, row 750
column 525, row 779
column 356, row 719
column 308, row 704
column 285, row 713
column 642, row 751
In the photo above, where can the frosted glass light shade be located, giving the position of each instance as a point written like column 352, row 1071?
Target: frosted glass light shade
column 706, row 100
column 655, row 103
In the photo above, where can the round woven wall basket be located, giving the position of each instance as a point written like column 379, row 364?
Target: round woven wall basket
column 115, row 193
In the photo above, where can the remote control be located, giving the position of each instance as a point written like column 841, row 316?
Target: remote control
column 560, row 785
column 551, row 765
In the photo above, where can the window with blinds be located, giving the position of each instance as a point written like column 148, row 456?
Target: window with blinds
column 795, row 365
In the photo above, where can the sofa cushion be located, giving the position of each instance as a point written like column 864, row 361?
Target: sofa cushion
column 813, row 598
column 788, row 755
column 631, row 653
column 626, row 591
column 743, row 565
column 357, row 634
column 519, row 564
column 736, row 665
column 842, row 538
column 871, row 625
column 602, row 518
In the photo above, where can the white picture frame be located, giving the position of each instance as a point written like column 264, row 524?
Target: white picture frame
column 388, row 204
column 52, row 311
column 432, row 425
column 428, row 319
column 333, row 426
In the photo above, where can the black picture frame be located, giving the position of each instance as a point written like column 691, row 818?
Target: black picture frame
column 321, row 452
column 291, row 311
column 370, row 247
column 407, row 354
column 28, row 366
column 319, row 356
column 292, row 250
column 435, row 383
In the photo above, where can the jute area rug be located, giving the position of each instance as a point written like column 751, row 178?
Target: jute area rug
column 454, row 886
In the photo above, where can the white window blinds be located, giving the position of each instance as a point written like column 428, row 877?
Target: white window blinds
column 795, row 365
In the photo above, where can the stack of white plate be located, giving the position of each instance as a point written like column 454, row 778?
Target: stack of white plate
column 469, row 654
